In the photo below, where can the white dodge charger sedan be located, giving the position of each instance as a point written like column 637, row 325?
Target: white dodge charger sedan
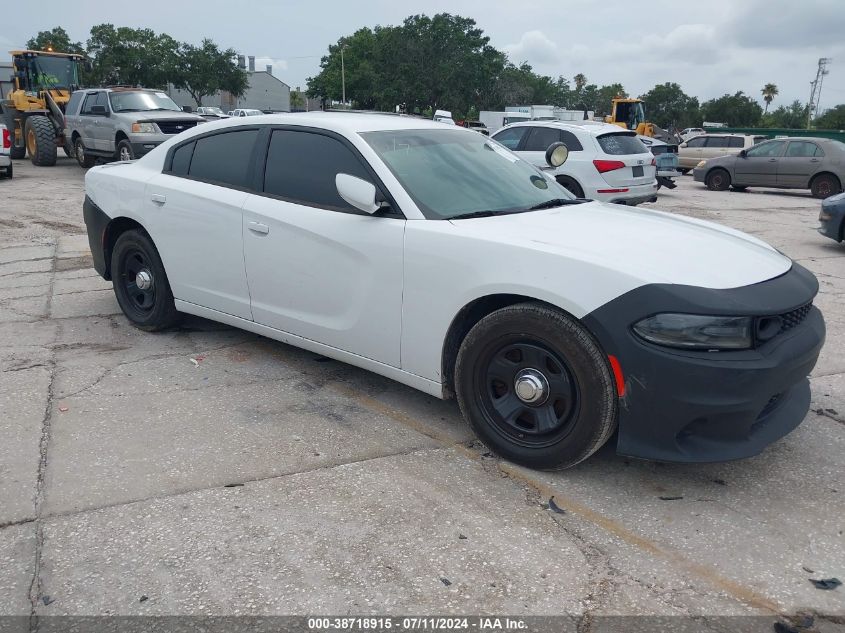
column 436, row 257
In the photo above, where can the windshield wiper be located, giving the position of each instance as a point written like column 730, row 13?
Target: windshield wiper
column 473, row 214
column 555, row 202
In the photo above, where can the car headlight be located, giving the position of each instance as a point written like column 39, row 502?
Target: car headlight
column 143, row 128
column 697, row 331
column 701, row 163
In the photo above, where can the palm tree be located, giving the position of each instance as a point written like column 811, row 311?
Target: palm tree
column 770, row 91
column 580, row 81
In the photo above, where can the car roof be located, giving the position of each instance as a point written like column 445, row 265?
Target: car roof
column 595, row 128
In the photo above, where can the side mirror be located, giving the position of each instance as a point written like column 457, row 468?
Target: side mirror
column 99, row 109
column 187, row 108
column 359, row 193
column 556, row 154
column 743, row 153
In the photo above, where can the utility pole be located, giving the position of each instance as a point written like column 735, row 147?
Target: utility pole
column 816, row 90
column 343, row 73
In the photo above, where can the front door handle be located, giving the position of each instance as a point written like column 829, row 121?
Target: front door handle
column 257, row 227
column 814, row 160
column 158, row 198
column 773, row 160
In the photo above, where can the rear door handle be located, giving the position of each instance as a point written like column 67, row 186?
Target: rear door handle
column 158, row 198
column 257, row 227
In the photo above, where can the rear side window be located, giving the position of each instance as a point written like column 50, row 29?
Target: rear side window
column 73, row 105
column 803, row 149
column 571, row 141
column 511, row 137
column 302, row 166
column 719, row 141
column 223, row 158
column 736, row 141
column 620, row 144
column 540, row 138
column 181, row 161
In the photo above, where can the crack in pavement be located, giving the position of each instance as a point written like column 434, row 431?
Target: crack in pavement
column 43, row 446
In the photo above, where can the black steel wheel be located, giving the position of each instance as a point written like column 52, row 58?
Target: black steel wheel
column 536, row 387
column 140, row 282
column 124, row 151
column 825, row 185
column 718, row 180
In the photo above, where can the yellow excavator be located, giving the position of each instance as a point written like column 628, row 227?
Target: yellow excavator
column 34, row 109
column 630, row 114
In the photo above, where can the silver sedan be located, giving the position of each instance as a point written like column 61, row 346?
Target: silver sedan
column 817, row 164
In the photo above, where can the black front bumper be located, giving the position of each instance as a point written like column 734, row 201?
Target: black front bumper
column 96, row 221
column 696, row 406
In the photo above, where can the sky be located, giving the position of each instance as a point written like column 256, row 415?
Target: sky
column 709, row 47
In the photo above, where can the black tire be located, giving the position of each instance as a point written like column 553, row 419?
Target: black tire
column 148, row 308
column 124, row 151
column 579, row 411
column 82, row 157
column 570, row 185
column 717, row 180
column 40, row 137
column 825, row 185
column 684, row 171
column 17, row 153
column 739, row 188
column 69, row 150
column 9, row 171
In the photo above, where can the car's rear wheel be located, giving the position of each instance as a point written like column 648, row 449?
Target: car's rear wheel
column 82, row 157
column 571, row 185
column 825, row 186
column 140, row 282
column 124, row 151
column 718, row 180
column 535, row 387
column 9, row 171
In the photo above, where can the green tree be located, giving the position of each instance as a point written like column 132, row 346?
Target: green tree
column 56, row 39
column 832, row 119
column 737, row 110
column 135, row 57
column 204, row 70
column 297, row 101
column 793, row 116
column 580, row 81
column 668, row 105
column 769, row 91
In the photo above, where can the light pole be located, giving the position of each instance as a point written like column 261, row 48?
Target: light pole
column 343, row 73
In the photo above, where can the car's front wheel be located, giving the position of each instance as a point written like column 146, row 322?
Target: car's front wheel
column 84, row 159
column 124, row 151
column 140, row 283
column 718, row 180
column 535, row 387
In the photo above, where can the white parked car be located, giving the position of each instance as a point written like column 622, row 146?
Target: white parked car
column 6, row 168
column 688, row 133
column 245, row 112
column 605, row 162
column 211, row 112
column 436, row 257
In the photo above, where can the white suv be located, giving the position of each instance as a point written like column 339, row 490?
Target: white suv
column 605, row 162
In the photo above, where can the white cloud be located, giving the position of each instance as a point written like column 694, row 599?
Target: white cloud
column 279, row 65
column 533, row 47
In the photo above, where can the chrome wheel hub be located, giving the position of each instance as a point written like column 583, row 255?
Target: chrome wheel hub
column 531, row 387
column 144, row 280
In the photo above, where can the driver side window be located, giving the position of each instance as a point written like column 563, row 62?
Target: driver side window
column 510, row 138
column 771, row 149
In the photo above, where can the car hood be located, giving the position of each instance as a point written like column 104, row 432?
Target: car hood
column 722, row 161
column 652, row 246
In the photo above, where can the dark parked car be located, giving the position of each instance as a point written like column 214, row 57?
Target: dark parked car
column 832, row 218
column 817, row 164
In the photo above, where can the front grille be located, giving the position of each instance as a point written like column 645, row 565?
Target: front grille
column 174, row 127
column 793, row 318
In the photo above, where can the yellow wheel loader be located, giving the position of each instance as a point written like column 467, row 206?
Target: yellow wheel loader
column 630, row 114
column 34, row 109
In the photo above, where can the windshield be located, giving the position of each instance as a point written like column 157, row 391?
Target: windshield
column 141, row 101
column 54, row 72
column 452, row 172
column 210, row 110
